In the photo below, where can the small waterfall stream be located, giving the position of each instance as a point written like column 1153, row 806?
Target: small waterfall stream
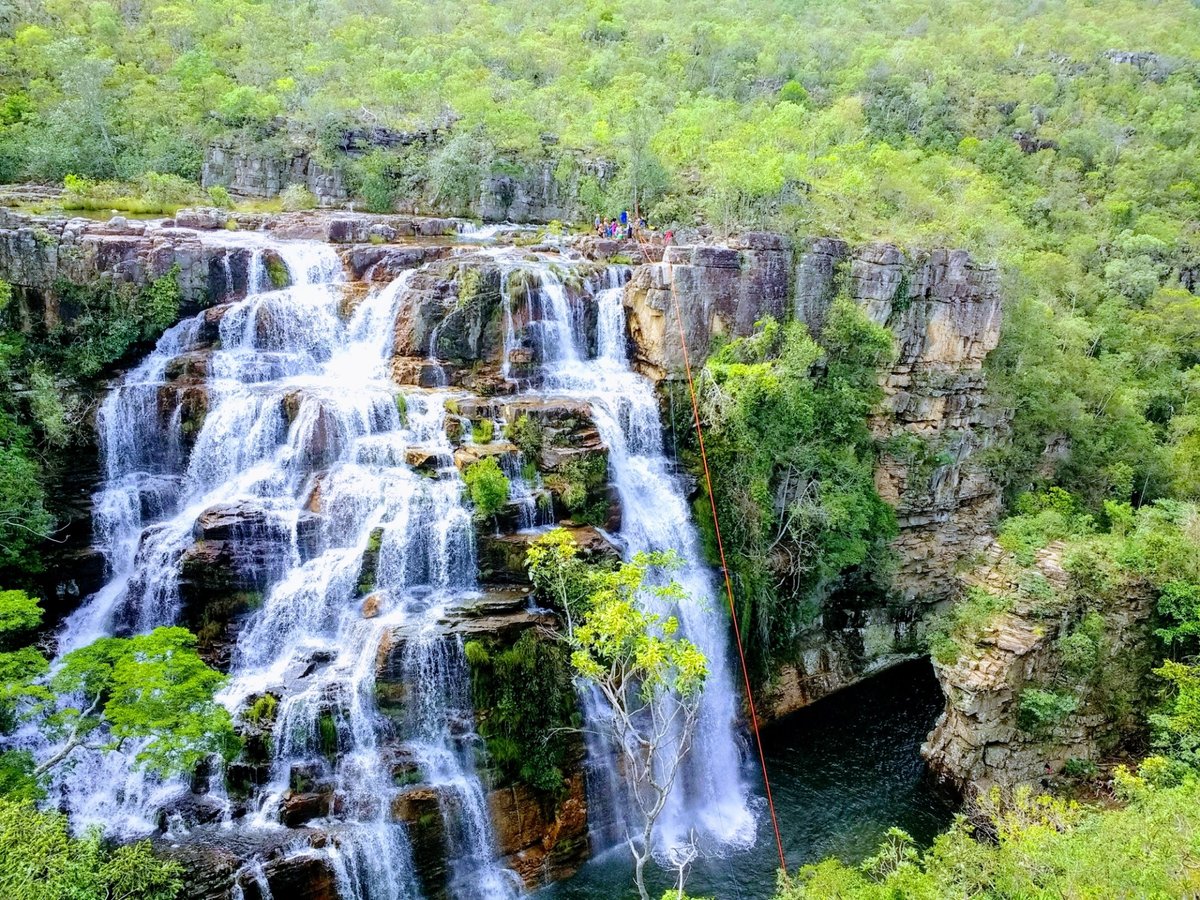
column 307, row 446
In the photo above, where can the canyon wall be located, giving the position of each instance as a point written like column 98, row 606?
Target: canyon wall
column 989, row 734
column 945, row 312
column 942, row 307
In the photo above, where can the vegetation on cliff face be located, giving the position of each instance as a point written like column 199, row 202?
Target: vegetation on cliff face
column 47, row 381
column 792, row 461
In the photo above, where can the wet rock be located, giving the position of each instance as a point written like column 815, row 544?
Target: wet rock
column 420, row 808
column 297, row 808
column 502, row 557
column 203, row 218
column 371, row 606
column 215, row 861
column 370, row 262
column 542, row 839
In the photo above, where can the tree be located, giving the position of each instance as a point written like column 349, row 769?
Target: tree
column 487, row 485
column 40, row 860
column 650, row 677
column 152, row 688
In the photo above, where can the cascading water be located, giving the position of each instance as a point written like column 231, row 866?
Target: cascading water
column 299, row 404
column 307, row 445
column 710, row 801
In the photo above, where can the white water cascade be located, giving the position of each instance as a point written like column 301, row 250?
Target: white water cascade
column 710, row 804
column 307, row 445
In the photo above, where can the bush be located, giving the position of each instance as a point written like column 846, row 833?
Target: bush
column 40, row 860
column 483, row 431
column 487, row 486
column 1039, row 710
column 151, row 194
column 954, row 634
column 527, row 434
column 297, row 197
column 220, row 196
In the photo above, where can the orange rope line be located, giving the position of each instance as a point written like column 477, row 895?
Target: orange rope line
column 712, row 501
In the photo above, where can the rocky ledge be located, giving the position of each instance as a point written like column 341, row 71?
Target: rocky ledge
column 989, row 733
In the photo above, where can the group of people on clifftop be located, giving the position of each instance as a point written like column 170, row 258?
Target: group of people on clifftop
column 624, row 228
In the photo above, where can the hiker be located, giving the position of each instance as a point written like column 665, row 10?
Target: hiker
column 624, row 218
column 667, row 238
column 598, row 225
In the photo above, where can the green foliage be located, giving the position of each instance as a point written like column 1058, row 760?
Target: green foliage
column 105, row 321
column 1044, row 848
column 792, row 461
column 220, row 196
column 20, row 614
column 616, row 641
column 527, row 434
column 151, row 194
column 457, row 171
column 277, row 272
column 526, row 707
column 955, row 633
column 1041, row 518
column 40, row 860
column 581, row 483
column 1079, row 649
column 296, row 197
column 487, row 486
column 151, row 686
column 262, row 711
column 483, row 431
column 1039, row 710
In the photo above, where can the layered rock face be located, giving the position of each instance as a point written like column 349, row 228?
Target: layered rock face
column 983, row 738
column 944, row 310
column 470, row 326
column 722, row 290
column 535, row 194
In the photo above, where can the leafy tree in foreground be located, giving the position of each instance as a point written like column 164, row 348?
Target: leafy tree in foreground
column 40, row 860
column 153, row 688
column 650, row 678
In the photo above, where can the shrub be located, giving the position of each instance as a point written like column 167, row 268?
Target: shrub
column 220, row 196
column 527, row 434
column 487, row 486
column 40, row 860
column 1039, row 710
column 297, row 197
column 956, row 632
column 483, row 431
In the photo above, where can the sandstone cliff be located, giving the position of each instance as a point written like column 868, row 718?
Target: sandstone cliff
column 991, row 733
column 945, row 312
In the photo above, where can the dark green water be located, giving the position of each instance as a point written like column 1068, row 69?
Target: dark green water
column 843, row 771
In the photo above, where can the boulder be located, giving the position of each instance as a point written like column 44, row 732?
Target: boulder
column 203, row 218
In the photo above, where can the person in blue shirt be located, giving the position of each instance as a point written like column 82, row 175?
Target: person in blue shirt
column 624, row 218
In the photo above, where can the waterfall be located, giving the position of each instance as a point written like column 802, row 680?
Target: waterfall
column 711, row 797
column 299, row 404
column 273, row 421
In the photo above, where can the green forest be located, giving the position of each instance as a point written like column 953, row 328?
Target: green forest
column 1058, row 140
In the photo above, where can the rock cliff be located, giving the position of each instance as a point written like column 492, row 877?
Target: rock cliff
column 944, row 309
column 992, row 731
